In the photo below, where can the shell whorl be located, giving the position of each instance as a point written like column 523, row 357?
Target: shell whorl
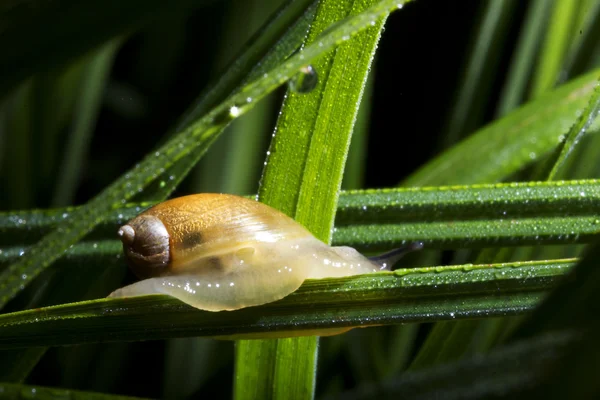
column 146, row 245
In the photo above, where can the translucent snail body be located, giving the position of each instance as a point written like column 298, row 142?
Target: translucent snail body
column 223, row 252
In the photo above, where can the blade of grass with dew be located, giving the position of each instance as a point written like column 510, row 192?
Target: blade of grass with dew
column 404, row 296
column 512, row 142
column 199, row 134
column 522, row 61
column 555, row 47
column 580, row 128
column 380, row 219
column 86, row 111
column 305, row 145
column 475, row 83
column 42, row 25
column 275, row 41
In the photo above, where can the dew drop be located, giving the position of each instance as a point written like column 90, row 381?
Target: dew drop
column 305, row 81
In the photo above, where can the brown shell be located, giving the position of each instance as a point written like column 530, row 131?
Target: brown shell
column 211, row 225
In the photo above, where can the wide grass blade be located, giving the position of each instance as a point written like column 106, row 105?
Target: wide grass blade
column 509, row 144
column 576, row 133
column 407, row 295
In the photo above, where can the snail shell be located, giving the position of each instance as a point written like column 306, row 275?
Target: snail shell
column 223, row 252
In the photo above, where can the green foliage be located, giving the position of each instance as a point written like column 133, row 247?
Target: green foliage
column 506, row 203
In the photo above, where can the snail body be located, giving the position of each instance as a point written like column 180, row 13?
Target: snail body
column 221, row 252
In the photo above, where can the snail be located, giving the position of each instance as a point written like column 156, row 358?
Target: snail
column 221, row 252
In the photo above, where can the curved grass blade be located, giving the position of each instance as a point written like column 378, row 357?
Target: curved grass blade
column 406, row 295
column 199, row 135
column 85, row 114
column 556, row 44
column 582, row 50
column 475, row 82
column 515, row 85
column 580, row 128
column 509, row 144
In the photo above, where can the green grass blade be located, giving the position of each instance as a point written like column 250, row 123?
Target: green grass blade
column 490, row 215
column 475, row 83
column 523, row 60
column 444, row 343
column 199, row 135
column 86, row 112
column 581, row 52
column 555, row 47
column 275, row 41
column 509, row 144
column 580, row 128
column 406, row 295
